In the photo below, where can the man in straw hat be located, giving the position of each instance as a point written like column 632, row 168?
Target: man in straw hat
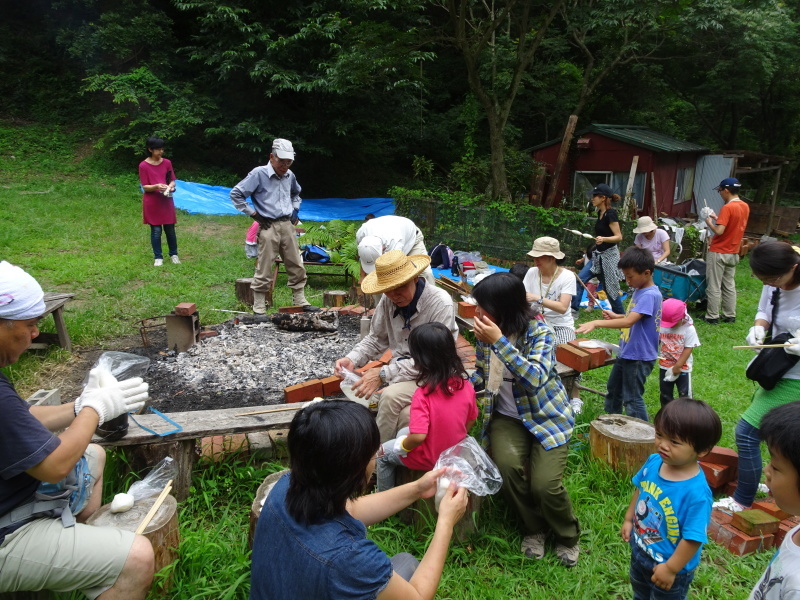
column 275, row 196
column 408, row 301
column 37, row 549
column 390, row 232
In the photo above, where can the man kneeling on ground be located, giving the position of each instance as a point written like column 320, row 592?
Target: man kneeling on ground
column 408, row 301
column 41, row 545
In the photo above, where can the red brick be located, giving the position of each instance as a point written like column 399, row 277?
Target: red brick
column 574, row 358
column 755, row 522
column 330, row 386
column 302, row 392
column 370, row 365
column 720, row 455
column 208, row 334
column 724, row 534
column 212, row 447
column 333, row 309
column 386, row 357
column 716, row 475
column 598, row 356
column 465, row 352
column 370, row 312
column 783, row 529
column 186, row 309
column 291, row 309
column 466, row 310
column 347, row 310
column 730, row 488
column 740, row 543
column 461, row 342
column 721, row 517
column 236, row 442
column 768, row 506
column 358, row 310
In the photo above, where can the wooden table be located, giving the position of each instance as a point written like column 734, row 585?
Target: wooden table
column 54, row 305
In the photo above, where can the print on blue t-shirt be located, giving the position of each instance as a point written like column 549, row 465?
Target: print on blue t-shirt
column 640, row 341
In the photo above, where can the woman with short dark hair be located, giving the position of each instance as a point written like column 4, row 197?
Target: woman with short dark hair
column 310, row 539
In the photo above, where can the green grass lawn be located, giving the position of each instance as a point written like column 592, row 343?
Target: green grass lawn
column 75, row 224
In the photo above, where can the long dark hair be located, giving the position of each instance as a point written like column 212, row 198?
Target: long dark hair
column 330, row 446
column 434, row 352
column 502, row 295
column 773, row 259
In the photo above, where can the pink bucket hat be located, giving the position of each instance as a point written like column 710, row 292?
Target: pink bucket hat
column 672, row 311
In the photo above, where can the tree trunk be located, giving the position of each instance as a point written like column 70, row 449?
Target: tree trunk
column 562, row 159
column 499, row 183
column 258, row 502
column 622, row 442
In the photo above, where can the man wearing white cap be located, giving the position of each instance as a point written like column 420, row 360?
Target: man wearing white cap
column 275, row 196
column 49, row 482
column 381, row 234
column 408, row 301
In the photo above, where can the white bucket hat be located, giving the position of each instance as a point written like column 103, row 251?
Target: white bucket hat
column 546, row 246
column 644, row 224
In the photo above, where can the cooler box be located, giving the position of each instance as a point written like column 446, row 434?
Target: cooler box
column 675, row 281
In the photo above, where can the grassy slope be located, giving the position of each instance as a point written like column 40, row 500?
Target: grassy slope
column 85, row 236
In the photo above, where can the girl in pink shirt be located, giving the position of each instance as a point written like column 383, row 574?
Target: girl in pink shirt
column 443, row 409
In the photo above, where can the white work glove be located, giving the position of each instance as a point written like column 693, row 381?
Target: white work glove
column 670, row 376
column 794, row 348
column 111, row 402
column 92, row 383
column 706, row 212
column 756, row 335
column 395, row 446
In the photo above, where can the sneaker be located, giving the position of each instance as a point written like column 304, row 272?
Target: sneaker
column 588, row 309
column 158, row 262
column 762, row 487
column 577, row 405
column 729, row 319
column 728, row 504
column 533, row 545
column 709, row 321
column 175, row 260
column 568, row 555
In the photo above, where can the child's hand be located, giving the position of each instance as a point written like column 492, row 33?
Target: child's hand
column 608, row 315
column 625, row 532
column 663, row 577
column 676, row 370
column 585, row 327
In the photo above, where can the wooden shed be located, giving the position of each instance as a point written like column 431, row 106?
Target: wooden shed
column 600, row 153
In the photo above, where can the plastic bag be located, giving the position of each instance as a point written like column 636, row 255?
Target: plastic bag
column 155, row 481
column 122, row 365
column 611, row 349
column 469, row 466
column 349, row 379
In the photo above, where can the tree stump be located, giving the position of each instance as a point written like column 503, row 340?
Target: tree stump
column 145, row 457
column 162, row 531
column 622, row 442
column 244, row 292
column 334, row 298
column 261, row 495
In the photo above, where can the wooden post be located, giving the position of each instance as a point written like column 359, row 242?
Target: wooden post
column 561, row 160
column 334, row 298
column 625, row 214
column 622, row 442
column 771, row 218
column 654, row 203
column 258, row 502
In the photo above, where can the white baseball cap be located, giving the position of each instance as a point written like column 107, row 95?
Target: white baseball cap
column 369, row 249
column 282, row 148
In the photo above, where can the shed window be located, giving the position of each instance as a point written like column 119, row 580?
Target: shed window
column 684, row 183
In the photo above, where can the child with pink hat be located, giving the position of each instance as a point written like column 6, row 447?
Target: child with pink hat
column 677, row 337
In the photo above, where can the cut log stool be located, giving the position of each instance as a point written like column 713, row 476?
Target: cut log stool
column 261, row 495
column 334, row 298
column 162, row 531
column 622, row 442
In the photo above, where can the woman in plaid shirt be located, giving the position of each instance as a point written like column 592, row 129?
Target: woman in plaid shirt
column 527, row 418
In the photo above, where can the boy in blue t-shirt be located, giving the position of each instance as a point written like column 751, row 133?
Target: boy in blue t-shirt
column 666, row 520
column 638, row 344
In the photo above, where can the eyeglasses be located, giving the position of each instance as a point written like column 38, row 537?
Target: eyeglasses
column 773, row 281
column 284, row 162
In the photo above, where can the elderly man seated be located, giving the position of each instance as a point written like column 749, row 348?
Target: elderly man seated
column 408, row 302
column 47, row 482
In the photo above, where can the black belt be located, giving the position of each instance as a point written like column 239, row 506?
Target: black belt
column 266, row 222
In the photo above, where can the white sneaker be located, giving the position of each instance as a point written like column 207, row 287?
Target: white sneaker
column 728, row 504
column 762, row 487
column 175, row 260
column 577, row 405
column 158, row 262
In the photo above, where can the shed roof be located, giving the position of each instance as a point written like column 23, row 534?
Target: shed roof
column 638, row 135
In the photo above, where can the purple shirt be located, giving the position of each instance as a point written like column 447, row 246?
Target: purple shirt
column 656, row 245
column 640, row 342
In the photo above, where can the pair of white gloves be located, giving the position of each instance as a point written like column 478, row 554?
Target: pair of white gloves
column 110, row 398
column 757, row 333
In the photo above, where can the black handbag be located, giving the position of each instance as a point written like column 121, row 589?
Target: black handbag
column 771, row 364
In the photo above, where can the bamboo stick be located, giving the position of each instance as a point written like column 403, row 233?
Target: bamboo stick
column 591, row 295
column 154, row 509
column 762, row 346
column 272, row 410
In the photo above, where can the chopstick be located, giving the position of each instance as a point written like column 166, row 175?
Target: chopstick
column 762, row 346
column 272, row 410
column 154, row 509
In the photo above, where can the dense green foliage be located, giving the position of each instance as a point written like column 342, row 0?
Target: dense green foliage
column 376, row 92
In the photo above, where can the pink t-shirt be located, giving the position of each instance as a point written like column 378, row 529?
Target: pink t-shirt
column 443, row 418
column 655, row 246
column 157, row 209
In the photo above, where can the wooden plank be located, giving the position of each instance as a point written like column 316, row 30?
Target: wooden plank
column 61, row 327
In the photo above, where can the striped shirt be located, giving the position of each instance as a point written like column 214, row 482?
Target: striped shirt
column 542, row 401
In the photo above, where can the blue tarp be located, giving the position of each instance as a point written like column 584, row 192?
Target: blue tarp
column 199, row 198
column 437, row 273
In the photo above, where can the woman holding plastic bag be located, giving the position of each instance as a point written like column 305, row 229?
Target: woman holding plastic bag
column 527, row 421
column 314, row 520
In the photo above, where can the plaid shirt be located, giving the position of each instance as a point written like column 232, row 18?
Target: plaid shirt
column 542, row 401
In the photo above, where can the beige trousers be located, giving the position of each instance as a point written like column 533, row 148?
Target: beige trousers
column 721, row 284
column 279, row 240
column 394, row 408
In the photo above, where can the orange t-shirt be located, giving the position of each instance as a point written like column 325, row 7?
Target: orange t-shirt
column 734, row 216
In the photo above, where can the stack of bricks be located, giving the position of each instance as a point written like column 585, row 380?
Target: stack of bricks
column 721, row 467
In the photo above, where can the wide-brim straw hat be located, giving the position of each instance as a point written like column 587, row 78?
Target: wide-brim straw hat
column 644, row 224
column 392, row 270
column 546, row 246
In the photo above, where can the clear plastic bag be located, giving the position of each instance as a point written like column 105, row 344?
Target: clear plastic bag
column 122, row 365
column 469, row 466
column 155, row 481
column 611, row 349
column 350, row 378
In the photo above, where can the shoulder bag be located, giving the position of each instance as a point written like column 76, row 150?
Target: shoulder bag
column 771, row 364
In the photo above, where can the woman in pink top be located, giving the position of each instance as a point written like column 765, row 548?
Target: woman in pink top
column 158, row 209
column 443, row 409
column 651, row 238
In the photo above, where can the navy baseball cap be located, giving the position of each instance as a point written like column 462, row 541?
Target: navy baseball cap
column 603, row 190
column 728, row 182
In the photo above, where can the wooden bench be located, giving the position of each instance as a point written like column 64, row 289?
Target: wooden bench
column 245, row 295
column 54, row 305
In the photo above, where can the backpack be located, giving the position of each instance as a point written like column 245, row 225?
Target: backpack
column 313, row 253
column 441, row 257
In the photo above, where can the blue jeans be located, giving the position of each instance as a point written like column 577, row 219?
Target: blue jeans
column 155, row 239
column 585, row 275
column 667, row 388
column 644, row 589
column 626, row 387
column 748, row 443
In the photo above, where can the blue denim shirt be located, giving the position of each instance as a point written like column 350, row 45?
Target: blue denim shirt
column 328, row 560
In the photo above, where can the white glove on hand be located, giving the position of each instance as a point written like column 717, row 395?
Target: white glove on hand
column 395, row 446
column 756, row 335
column 92, row 383
column 111, row 402
column 794, row 348
column 670, row 376
column 705, row 212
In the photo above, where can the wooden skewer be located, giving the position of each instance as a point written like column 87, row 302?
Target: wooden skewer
column 591, row 295
column 762, row 346
column 272, row 410
column 154, row 509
